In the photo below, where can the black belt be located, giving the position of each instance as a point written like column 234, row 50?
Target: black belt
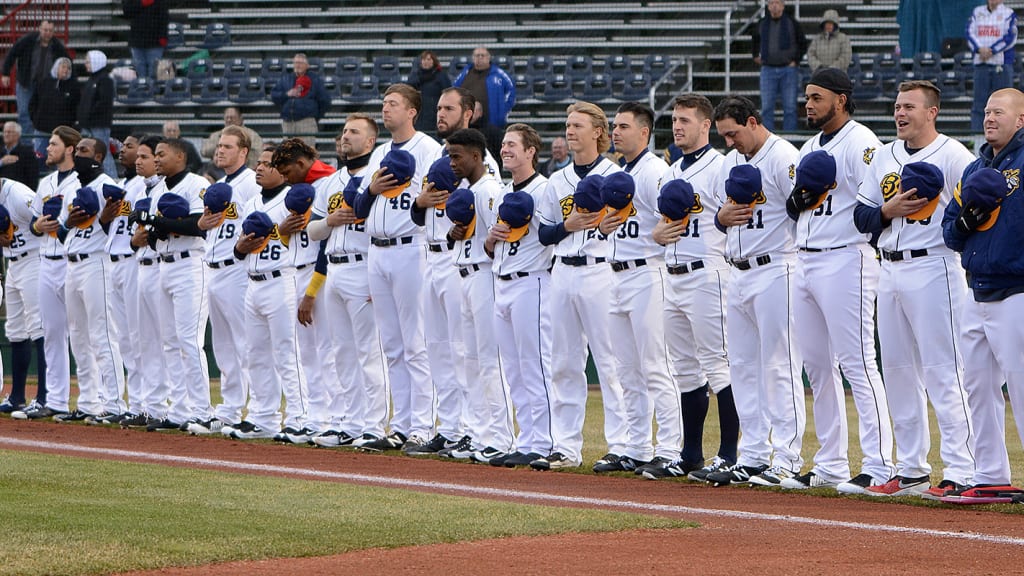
column 77, row 257
column 303, row 266
column 18, row 257
column 467, row 270
column 267, row 276
column 385, row 242
column 582, row 260
column 746, row 265
column 822, row 249
column 514, row 275
column 345, row 259
column 686, row 268
column 620, row 266
column 54, row 257
column 900, row 256
column 221, row 264
column 119, row 257
column 147, row 262
column 175, row 256
column 443, row 247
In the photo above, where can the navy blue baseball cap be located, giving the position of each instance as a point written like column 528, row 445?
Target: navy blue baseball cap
column 816, row 174
column 461, row 209
column 516, row 210
column 258, row 223
column 349, row 194
column 172, row 206
column 52, row 206
column 299, row 198
column 676, row 200
column 6, row 226
column 87, row 199
column 928, row 180
column 442, row 175
column 617, row 192
column 401, row 165
column 743, row 186
column 143, row 204
column 587, row 197
column 218, row 197
column 985, row 189
column 113, row 192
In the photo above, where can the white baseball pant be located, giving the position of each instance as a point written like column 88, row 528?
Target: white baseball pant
column 442, row 325
column 183, row 312
column 315, row 355
column 124, row 313
column 695, row 329
column 152, row 360
column 93, row 336
column 271, row 341
column 227, row 288
column 54, row 318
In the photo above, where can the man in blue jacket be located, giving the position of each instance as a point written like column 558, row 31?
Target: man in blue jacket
column 985, row 224
column 303, row 101
column 489, row 83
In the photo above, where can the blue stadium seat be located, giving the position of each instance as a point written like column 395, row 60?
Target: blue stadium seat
column 867, row 86
column 539, row 66
column 139, row 90
column 618, row 68
column 506, row 63
column 456, row 66
column 212, row 90
column 272, row 68
column 237, row 69
column 218, row 35
column 558, row 87
column 332, row 86
column 365, row 90
column 952, row 85
column 928, row 66
column 349, row 68
column 524, row 86
column 175, row 91
column 964, row 61
column 596, row 87
column 252, row 90
column 637, row 87
column 854, row 69
column 199, row 69
column 888, row 68
column 175, row 35
column 578, row 67
column 316, row 64
column 386, row 69
column 655, row 66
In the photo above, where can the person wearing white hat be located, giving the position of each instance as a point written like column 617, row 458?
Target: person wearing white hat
column 96, row 105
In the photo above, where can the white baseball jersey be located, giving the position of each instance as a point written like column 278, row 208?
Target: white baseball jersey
column 303, row 250
column 119, row 232
column 770, row 230
column 135, row 192
column 17, row 199
column 348, row 239
column 274, row 255
column 471, row 250
column 700, row 241
column 883, row 181
column 558, row 204
column 831, row 224
column 220, row 241
column 191, row 188
column 50, row 186
column 436, row 222
column 389, row 217
column 526, row 254
column 90, row 239
column 633, row 239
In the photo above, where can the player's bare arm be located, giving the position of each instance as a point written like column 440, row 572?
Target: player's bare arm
column 666, row 233
column 732, row 214
column 902, row 204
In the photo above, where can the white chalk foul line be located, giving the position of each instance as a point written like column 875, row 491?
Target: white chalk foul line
column 505, row 493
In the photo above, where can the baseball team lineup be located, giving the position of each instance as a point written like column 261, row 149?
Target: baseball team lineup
column 414, row 300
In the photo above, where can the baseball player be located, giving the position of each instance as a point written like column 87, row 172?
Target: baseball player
column 359, row 405
column 396, row 263
column 226, row 278
column 487, row 399
column 920, row 291
column 757, row 177
column 983, row 224
column 183, row 300
column 522, row 320
column 23, row 327
column 836, row 281
column 695, row 293
column 46, row 210
column 637, row 298
column 580, row 303
column 271, row 308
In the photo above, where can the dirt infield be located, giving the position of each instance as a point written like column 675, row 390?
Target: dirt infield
column 785, row 532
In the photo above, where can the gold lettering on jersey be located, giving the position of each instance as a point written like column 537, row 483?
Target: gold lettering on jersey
column 274, row 234
column 890, row 185
column 956, row 192
column 490, row 204
column 760, row 198
column 567, row 206
column 869, row 155
column 334, row 202
column 1012, row 179
column 697, row 207
column 125, row 209
column 231, row 213
column 792, row 173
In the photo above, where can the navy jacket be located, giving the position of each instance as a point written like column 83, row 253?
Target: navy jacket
column 314, row 105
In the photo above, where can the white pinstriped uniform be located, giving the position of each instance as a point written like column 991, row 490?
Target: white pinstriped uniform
column 580, row 305
column 834, row 304
column 124, row 293
column 919, row 303
column 764, row 360
column 22, row 282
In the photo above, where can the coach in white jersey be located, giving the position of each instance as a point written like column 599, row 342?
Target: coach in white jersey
column 920, row 295
column 226, row 279
column 183, row 300
column 396, row 265
column 695, row 294
column 23, row 327
column 764, row 360
column 522, row 318
column 359, row 402
column 580, row 302
column 637, row 298
column 836, row 281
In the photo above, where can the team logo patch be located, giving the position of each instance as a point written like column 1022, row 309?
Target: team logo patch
column 869, row 155
column 232, row 212
column 334, row 202
column 1012, row 179
column 567, row 206
column 490, row 205
column 274, row 234
column 760, row 198
column 792, row 174
column 890, row 185
column 698, row 207
column 125, row 209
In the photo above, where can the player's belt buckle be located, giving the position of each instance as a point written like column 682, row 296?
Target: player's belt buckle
column 386, row 242
column 77, row 257
column 147, row 262
column 513, row 276
column 175, row 256
column 582, row 260
column 221, row 264
column 620, row 266
column 748, row 263
column 345, row 259
column 264, row 277
column 18, row 257
column 686, row 268
column 442, row 247
column 467, row 270
column 902, row 255
column 118, row 257
column 816, row 250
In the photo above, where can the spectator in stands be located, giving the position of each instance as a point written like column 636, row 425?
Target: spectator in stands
column 303, row 101
column 992, row 33
column 492, row 134
column 430, row 80
column 18, row 160
column 193, row 162
column 779, row 44
column 147, row 34
column 54, row 102
column 35, row 54
column 96, row 105
column 831, row 48
column 233, row 117
column 490, row 84
column 560, row 157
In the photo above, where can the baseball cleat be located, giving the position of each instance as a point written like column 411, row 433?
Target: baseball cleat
column 73, row 416
column 856, row 485
column 462, row 450
column 414, row 442
column 945, row 488
column 162, row 425
column 900, row 486
column 106, row 418
column 985, row 494
column 6, row 407
column 661, row 467
column 333, row 439
column 205, row 427
column 805, row 481
column 735, row 474
column 137, row 421
column 431, row 448
column 513, row 459
column 613, row 463
column 393, row 441
column 555, row 461
column 292, row 435
column 486, row 455
column 248, row 431
column 771, row 477
column 717, row 465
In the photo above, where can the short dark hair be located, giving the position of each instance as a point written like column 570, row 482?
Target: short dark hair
column 739, row 108
column 151, row 141
column 698, row 102
column 530, row 139
column 470, row 138
column 365, row 118
column 932, row 94
column 466, row 99
column 642, row 112
column 411, row 95
column 289, row 152
column 176, row 144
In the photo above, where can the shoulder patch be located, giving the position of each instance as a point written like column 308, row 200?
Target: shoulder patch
column 231, row 212
column 567, row 206
column 698, row 207
column 1012, row 179
column 792, row 172
column 869, row 155
column 890, row 185
column 334, row 202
